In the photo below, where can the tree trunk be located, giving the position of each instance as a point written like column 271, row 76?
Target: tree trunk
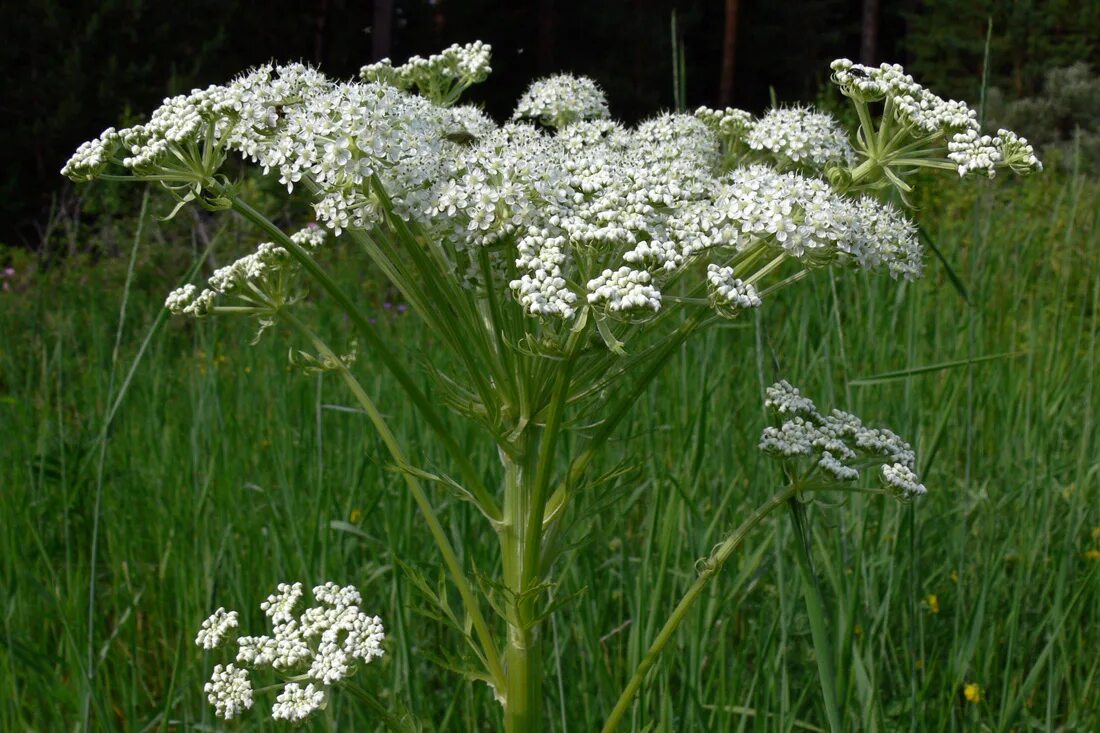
column 382, row 31
column 319, row 32
column 868, row 47
column 729, row 54
column 547, row 36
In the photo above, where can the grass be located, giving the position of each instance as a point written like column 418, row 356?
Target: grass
column 224, row 472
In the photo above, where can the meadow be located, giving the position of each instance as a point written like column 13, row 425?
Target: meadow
column 161, row 468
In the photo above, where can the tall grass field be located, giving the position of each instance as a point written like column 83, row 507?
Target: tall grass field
column 152, row 470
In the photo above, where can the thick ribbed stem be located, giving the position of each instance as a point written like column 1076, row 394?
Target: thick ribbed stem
column 523, row 653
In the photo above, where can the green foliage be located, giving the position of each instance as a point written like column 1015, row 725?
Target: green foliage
column 945, row 42
column 1062, row 120
column 227, row 471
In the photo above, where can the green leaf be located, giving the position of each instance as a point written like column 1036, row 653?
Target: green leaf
column 913, row 371
column 956, row 281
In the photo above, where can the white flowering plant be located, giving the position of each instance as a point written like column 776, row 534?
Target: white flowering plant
column 559, row 258
column 310, row 653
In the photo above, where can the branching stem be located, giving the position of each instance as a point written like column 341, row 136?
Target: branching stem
column 458, row 576
column 470, row 475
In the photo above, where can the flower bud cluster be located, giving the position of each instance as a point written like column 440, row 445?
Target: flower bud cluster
column 321, row 645
column 624, row 290
column 560, row 100
column 469, row 120
column 729, row 123
column 799, row 137
column 267, row 270
column 229, row 691
column 296, row 703
column 728, row 292
column 932, row 118
column 92, row 157
column 913, row 104
column 441, row 77
column 981, row 153
column 215, row 628
column 838, row 444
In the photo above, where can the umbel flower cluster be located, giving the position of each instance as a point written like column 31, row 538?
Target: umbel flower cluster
column 834, row 447
column 586, row 214
column 559, row 100
column 596, row 214
column 930, row 118
column 593, row 213
column 311, row 652
column 259, row 280
column 441, row 77
column 801, row 137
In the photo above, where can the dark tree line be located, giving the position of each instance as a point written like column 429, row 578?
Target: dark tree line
column 73, row 67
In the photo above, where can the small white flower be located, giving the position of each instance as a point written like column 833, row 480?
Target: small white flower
column 837, row 441
column 903, row 480
column 295, row 703
column 229, row 691
column 785, row 399
column 281, row 603
column 215, row 628
column 562, row 99
column 801, row 137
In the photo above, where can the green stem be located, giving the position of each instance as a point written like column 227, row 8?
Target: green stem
column 711, row 569
column 815, row 609
column 884, row 122
column 870, row 138
column 547, row 446
column 377, row 346
column 925, row 163
column 458, row 577
column 560, row 498
column 523, row 653
column 863, row 169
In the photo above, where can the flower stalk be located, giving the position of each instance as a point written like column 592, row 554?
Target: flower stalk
column 490, row 655
column 710, row 569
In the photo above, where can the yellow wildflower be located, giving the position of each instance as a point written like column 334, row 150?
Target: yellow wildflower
column 972, row 692
column 1093, row 555
column 1096, row 533
column 356, row 515
column 954, row 576
column 933, row 603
